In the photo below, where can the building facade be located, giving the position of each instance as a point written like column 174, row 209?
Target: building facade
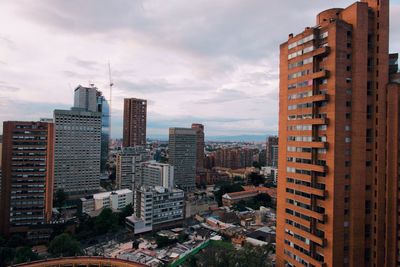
column 77, row 151
column 115, row 200
column 27, row 182
column 152, row 173
column 199, row 128
column 182, row 155
column 337, row 199
column 91, row 99
column 127, row 166
column 271, row 151
column 134, row 124
column 156, row 207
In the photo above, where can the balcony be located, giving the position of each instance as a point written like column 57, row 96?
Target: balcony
column 313, row 98
column 307, row 189
column 308, row 144
column 315, row 121
column 322, row 51
column 320, row 74
column 305, row 166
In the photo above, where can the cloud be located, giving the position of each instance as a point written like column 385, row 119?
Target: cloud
column 214, row 62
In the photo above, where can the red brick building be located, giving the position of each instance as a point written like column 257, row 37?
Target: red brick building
column 338, row 142
column 134, row 124
column 28, row 176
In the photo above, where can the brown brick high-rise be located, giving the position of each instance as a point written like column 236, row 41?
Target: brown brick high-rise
column 27, row 182
column 135, row 117
column 338, row 142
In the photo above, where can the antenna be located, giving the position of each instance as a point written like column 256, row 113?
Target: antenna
column 111, row 84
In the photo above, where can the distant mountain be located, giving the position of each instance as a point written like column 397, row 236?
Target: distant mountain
column 237, row 138
column 226, row 138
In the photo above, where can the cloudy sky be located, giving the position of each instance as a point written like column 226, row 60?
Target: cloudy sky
column 209, row 61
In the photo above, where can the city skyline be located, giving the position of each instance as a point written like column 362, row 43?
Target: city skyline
column 201, row 68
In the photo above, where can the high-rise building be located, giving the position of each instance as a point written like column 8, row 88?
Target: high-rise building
column 271, row 151
column 199, row 128
column 127, row 166
column 77, row 151
column 152, row 173
column 338, row 142
column 104, row 108
column 86, row 98
column 134, row 124
column 156, row 208
column 27, row 182
column 91, row 99
column 182, row 155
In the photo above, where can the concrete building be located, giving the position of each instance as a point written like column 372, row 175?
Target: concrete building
column 77, row 151
column 271, row 151
column 27, row 182
column 134, row 124
column 155, row 208
column 91, row 99
column 152, row 173
column 115, row 200
column 338, row 142
column 182, row 155
column 199, row 128
column 127, row 166
column 86, row 98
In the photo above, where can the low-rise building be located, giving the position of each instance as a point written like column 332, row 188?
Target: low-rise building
column 152, row 173
column 115, row 200
column 229, row 199
column 155, row 208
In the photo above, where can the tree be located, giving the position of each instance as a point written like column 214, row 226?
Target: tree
column 106, row 222
column 257, row 164
column 6, row 256
column 59, row 198
column 256, row 179
column 163, row 241
column 16, row 240
column 25, row 254
column 125, row 212
column 65, row 245
column 226, row 187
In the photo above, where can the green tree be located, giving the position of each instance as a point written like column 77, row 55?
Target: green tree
column 226, row 187
column 64, row 245
column 16, row 240
column 125, row 212
column 6, row 255
column 25, row 254
column 59, row 198
column 106, row 222
column 163, row 241
column 256, row 179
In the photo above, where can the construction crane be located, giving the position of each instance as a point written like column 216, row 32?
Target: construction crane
column 111, row 84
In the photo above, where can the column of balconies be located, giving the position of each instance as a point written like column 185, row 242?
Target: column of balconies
column 304, row 111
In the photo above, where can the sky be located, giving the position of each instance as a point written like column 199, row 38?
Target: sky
column 206, row 61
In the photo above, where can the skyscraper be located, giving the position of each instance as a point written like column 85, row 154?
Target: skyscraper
column 182, row 155
column 27, row 182
column 199, row 128
column 135, row 117
column 337, row 205
column 91, row 99
column 85, row 98
column 271, row 151
column 104, row 108
column 77, row 151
